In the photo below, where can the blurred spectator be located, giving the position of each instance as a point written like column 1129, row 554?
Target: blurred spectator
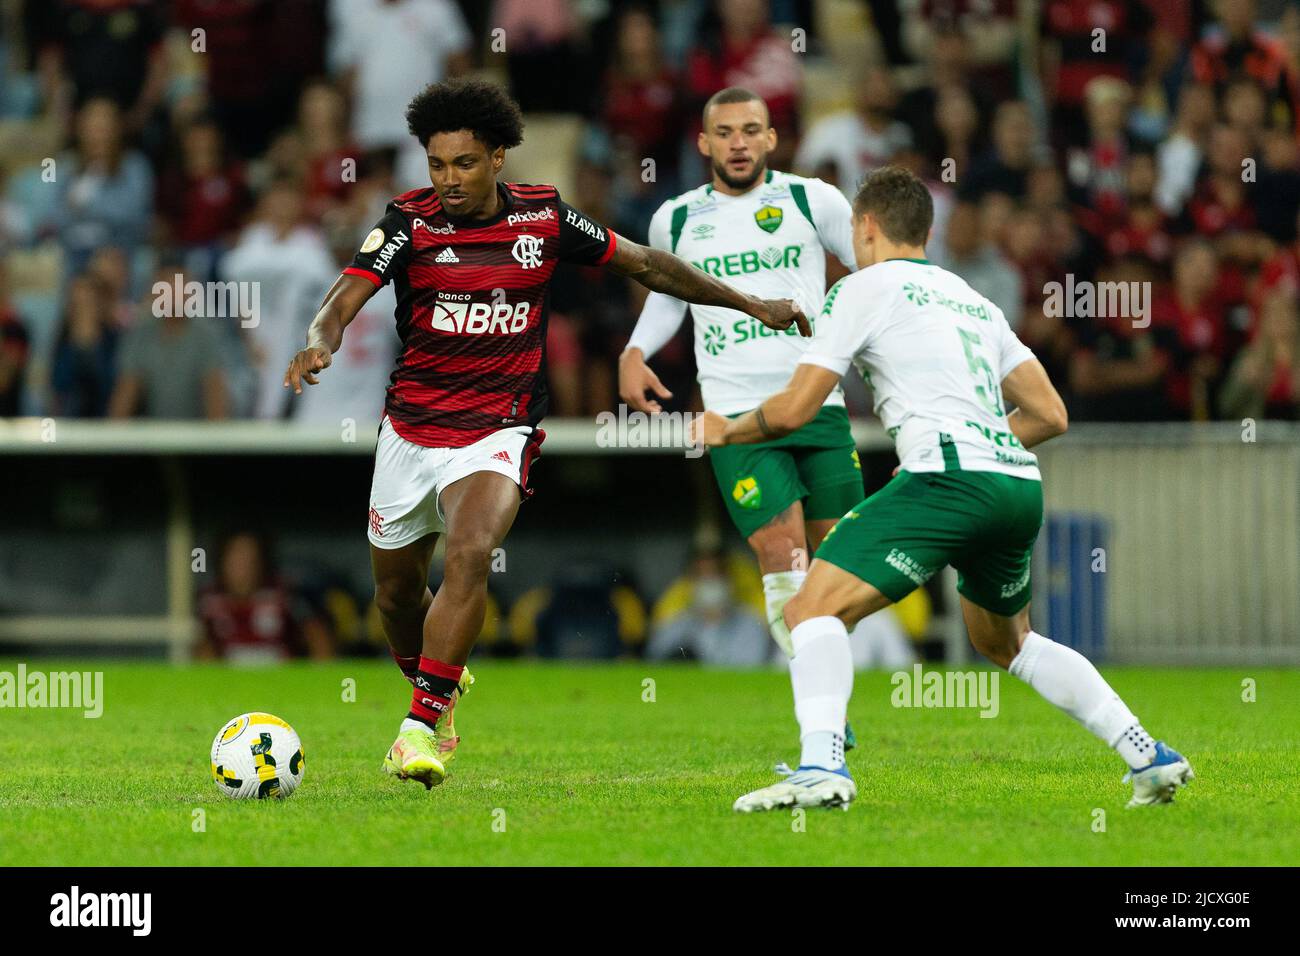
column 958, row 131
column 251, row 617
column 714, row 629
column 389, row 50
column 292, row 267
column 1072, row 58
column 1280, row 273
column 592, row 311
column 358, row 375
column 1005, row 167
column 949, row 109
column 1137, row 226
column 980, row 263
column 111, row 266
column 745, row 50
column 1179, row 157
column 13, row 350
column 171, row 364
column 1192, row 309
column 324, row 143
column 1223, row 209
column 346, row 223
column 104, row 48
column 1264, row 381
column 547, row 65
column 202, row 199
column 844, row 147
column 105, row 190
column 1118, row 371
column 256, row 54
column 1097, row 168
column 1278, row 179
column 1238, row 49
column 85, row 353
column 991, row 35
column 643, row 112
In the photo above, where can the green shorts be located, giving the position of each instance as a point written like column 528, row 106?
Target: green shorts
column 818, row 464
column 982, row 523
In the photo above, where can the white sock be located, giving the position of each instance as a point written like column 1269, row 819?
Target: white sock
column 778, row 588
column 1067, row 679
column 821, row 673
column 410, row 723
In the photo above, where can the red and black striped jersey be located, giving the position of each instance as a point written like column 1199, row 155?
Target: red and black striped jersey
column 471, row 307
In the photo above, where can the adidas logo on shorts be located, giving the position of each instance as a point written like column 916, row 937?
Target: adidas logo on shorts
column 502, row 456
column 447, row 255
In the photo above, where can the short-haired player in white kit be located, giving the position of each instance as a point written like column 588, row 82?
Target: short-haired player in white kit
column 767, row 233
column 939, row 359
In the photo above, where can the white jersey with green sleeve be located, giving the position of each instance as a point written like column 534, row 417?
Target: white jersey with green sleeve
column 934, row 353
column 770, row 242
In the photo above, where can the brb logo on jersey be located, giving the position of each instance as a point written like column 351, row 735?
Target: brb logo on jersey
column 456, row 313
column 528, row 251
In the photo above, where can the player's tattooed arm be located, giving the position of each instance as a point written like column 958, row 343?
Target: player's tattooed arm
column 663, row 272
column 785, row 412
column 342, row 303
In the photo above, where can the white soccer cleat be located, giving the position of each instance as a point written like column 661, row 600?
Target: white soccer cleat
column 804, row 787
column 1158, row 780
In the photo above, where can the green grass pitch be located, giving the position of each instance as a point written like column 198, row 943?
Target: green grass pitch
column 573, row 766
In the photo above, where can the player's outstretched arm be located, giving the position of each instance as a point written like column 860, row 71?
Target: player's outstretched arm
column 786, row 411
column 660, row 318
column 342, row 303
column 1039, row 414
column 663, row 272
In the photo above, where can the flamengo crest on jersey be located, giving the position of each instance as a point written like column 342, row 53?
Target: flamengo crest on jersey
column 769, row 242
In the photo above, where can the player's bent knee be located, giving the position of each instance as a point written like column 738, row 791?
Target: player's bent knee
column 399, row 596
column 995, row 636
column 777, row 549
column 467, row 562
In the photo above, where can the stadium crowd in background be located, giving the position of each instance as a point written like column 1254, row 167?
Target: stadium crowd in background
column 257, row 141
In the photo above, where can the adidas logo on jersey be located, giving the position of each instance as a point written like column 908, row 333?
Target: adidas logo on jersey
column 447, row 255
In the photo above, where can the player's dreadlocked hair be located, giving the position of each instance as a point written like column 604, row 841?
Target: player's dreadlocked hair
column 483, row 108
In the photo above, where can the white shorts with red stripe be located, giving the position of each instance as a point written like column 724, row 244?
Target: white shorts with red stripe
column 409, row 478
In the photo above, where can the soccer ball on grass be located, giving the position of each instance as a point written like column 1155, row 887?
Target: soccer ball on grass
column 256, row 756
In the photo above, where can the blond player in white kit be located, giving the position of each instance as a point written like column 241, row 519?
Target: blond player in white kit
column 939, row 359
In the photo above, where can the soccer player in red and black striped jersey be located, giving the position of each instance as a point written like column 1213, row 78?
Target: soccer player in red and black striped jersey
column 471, row 261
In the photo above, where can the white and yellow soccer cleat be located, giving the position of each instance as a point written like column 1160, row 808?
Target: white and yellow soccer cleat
column 1159, row 780
column 804, row 787
column 414, row 756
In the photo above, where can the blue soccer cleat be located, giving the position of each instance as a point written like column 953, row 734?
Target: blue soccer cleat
column 1158, row 780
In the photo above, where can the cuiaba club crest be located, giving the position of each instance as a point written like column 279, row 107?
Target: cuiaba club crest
column 747, row 493
column 715, row 338
column 768, row 218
